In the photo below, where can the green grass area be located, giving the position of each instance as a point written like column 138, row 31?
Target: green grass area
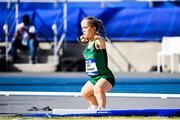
column 89, row 118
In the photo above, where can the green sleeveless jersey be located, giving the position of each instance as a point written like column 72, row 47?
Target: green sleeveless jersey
column 96, row 61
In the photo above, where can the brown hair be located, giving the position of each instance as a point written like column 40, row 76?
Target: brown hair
column 98, row 24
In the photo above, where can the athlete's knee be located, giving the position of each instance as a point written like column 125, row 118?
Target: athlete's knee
column 84, row 93
column 98, row 90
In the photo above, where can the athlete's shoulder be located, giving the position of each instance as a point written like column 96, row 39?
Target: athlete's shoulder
column 99, row 42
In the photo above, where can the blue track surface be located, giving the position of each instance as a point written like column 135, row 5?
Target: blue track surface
column 65, row 84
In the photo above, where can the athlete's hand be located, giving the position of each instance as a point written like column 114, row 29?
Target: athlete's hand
column 83, row 39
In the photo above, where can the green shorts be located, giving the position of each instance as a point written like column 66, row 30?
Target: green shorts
column 94, row 79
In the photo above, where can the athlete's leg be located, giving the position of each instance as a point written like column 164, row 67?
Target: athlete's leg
column 101, row 87
column 87, row 92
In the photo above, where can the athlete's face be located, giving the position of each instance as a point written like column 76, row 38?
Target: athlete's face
column 88, row 30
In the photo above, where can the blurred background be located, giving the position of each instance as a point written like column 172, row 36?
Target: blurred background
column 136, row 29
column 143, row 53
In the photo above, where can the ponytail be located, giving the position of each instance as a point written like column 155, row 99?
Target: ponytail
column 102, row 30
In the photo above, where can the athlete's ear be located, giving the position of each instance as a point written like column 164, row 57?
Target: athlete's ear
column 94, row 28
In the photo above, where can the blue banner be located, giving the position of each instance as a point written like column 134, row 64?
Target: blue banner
column 122, row 24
